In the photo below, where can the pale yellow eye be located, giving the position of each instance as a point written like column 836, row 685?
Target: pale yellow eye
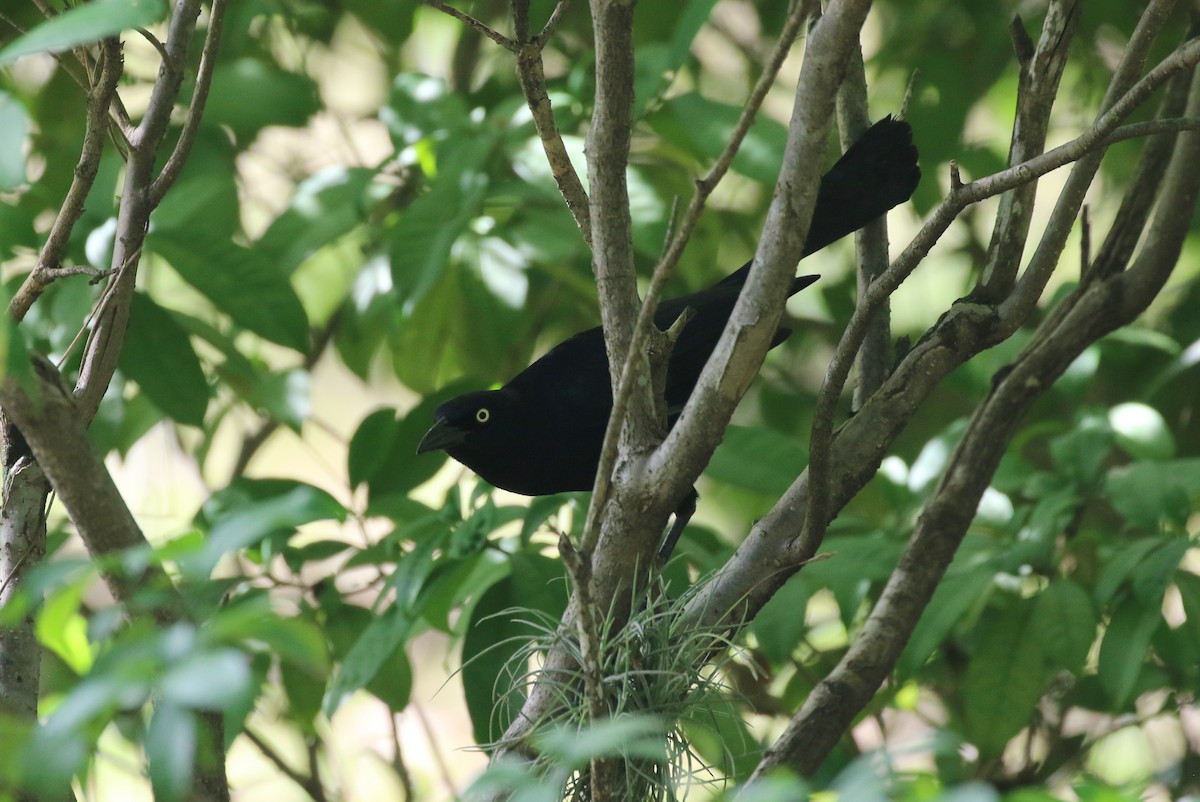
column 482, row 415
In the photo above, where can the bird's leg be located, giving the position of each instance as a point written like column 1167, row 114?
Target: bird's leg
column 683, row 514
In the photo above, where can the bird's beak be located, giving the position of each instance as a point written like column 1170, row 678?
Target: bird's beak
column 441, row 436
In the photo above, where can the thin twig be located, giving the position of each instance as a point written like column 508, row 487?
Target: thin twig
column 531, row 73
column 154, row 42
column 579, row 567
column 86, row 169
column 187, row 136
column 495, row 36
column 313, row 789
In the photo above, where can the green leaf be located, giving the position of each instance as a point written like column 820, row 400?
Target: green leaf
column 1189, row 592
column 14, row 127
column 1064, row 625
column 1080, row 453
column 1141, row 431
column 390, row 630
column 383, row 451
column 629, row 735
column 62, row 630
column 955, row 596
column 284, row 396
column 421, row 106
column 1118, row 568
column 1147, row 493
column 757, row 459
column 780, row 623
column 255, row 521
column 371, row 445
column 1004, row 680
column 497, row 632
column 171, row 751
column 253, row 624
column 702, row 126
column 158, row 355
column 242, row 283
column 1124, row 648
column 1152, row 575
column 84, row 24
column 392, row 683
column 208, row 680
column 250, row 94
column 326, row 206
column 426, row 231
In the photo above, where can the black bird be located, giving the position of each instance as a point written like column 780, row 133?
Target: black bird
column 542, row 432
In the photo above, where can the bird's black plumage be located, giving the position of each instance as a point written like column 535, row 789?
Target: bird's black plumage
column 542, row 432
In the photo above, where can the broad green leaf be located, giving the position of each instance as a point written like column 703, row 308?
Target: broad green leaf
column 250, row 94
column 957, row 594
column 1080, row 453
column 326, row 206
column 1189, row 592
column 1147, row 493
column 158, row 355
column 422, row 106
column 1120, row 566
column 1004, row 679
column 628, row 735
column 1152, row 575
column 497, row 631
column 171, row 751
column 703, row 126
column 425, row 232
column 392, row 683
column 383, row 451
column 84, row 24
column 252, row 623
column 1064, row 625
column 62, row 630
column 251, row 522
column 208, row 680
column 1124, row 649
column 659, row 61
column 390, row 629
column 284, row 396
column 1141, row 431
column 372, row 443
column 240, row 282
column 780, row 623
column 14, row 127
column 854, row 560
column 757, row 459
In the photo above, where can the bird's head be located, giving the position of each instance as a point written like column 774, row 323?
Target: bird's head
column 468, row 423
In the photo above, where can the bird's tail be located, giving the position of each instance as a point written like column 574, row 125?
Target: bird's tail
column 878, row 172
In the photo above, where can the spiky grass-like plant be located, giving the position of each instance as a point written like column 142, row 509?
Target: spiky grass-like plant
column 657, row 675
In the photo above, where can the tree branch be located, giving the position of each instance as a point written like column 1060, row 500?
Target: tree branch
column 187, row 136
column 870, row 242
column 532, row 76
column 772, row 551
column 831, row 706
column 104, row 345
column 662, row 271
column 49, row 263
column 495, row 36
column 739, row 354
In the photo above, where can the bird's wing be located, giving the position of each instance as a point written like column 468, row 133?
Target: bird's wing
column 571, row 379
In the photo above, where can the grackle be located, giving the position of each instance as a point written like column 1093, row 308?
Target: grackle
column 542, row 432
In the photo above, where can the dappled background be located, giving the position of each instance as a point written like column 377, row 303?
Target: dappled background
column 367, row 225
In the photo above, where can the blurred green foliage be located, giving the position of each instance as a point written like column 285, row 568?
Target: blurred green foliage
column 440, row 257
